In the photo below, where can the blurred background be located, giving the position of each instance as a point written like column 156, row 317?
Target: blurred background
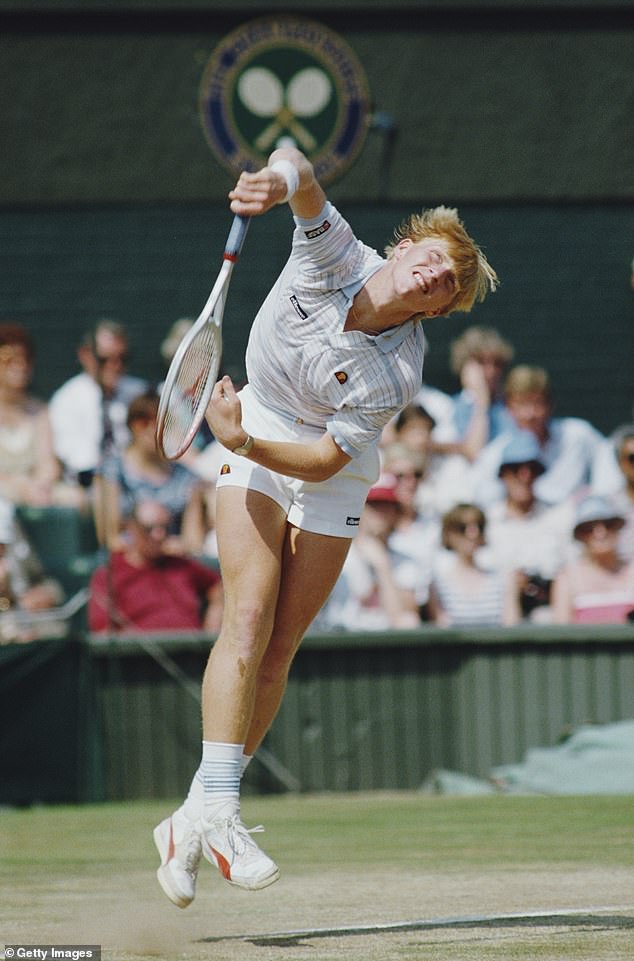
column 112, row 202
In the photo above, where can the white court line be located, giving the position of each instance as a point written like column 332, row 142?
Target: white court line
column 461, row 920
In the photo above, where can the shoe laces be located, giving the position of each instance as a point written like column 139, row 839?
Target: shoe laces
column 240, row 835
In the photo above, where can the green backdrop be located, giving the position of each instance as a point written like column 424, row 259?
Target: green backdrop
column 111, row 202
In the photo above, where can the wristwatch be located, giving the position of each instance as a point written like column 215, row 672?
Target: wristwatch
column 244, row 449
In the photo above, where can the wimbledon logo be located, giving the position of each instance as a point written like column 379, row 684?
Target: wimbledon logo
column 284, row 80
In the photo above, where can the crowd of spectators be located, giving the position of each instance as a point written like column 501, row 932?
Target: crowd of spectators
column 489, row 510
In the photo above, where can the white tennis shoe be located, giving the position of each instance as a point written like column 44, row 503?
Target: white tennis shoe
column 178, row 841
column 228, row 844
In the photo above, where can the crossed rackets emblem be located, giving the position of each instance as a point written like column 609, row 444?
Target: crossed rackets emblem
column 304, row 97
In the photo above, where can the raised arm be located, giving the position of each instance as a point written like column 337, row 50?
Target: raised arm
column 288, row 176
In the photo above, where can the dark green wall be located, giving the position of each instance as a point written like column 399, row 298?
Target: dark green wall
column 564, row 302
column 111, row 202
column 506, row 103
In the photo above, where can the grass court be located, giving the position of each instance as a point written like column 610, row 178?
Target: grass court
column 365, row 877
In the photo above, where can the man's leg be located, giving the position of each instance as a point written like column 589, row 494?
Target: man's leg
column 311, row 565
column 251, row 530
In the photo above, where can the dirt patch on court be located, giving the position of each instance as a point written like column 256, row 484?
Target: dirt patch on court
column 131, row 918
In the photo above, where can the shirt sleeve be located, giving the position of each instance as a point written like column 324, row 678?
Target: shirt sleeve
column 326, row 249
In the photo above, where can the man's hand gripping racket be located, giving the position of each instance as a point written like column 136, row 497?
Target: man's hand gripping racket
column 192, row 374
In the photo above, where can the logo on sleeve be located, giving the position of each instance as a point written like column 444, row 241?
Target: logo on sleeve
column 353, row 522
column 318, row 231
column 299, row 310
column 341, row 376
column 225, row 469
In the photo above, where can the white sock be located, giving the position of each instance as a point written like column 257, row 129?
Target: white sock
column 245, row 761
column 194, row 805
column 221, row 769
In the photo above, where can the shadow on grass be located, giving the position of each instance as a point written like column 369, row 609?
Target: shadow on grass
column 580, row 920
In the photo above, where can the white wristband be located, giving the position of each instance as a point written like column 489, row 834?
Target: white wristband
column 290, row 173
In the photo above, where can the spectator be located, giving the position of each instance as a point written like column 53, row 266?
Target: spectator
column 598, row 587
column 479, row 358
column 376, row 589
column 462, row 593
column 143, row 588
column 88, row 412
column 24, row 586
column 614, row 477
column 524, row 533
column 446, row 478
column 29, row 469
column 568, row 445
column 140, row 473
column 417, row 531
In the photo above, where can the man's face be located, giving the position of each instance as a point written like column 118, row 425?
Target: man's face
column 518, row 480
column 150, row 528
column 425, row 275
column 107, row 364
column 530, row 411
column 416, row 434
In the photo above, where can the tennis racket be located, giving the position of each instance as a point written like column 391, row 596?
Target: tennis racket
column 194, row 368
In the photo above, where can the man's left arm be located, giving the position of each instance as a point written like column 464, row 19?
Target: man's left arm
column 313, row 462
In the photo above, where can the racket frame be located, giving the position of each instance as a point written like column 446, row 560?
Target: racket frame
column 211, row 314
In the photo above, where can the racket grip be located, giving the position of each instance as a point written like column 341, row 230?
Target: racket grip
column 236, row 237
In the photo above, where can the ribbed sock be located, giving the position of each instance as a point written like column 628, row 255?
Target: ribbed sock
column 217, row 769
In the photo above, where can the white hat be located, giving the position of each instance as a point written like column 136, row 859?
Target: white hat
column 595, row 508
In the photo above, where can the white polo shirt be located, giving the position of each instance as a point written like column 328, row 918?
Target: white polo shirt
column 300, row 362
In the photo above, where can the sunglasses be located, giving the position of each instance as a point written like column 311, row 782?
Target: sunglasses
column 611, row 524
column 119, row 358
column 462, row 526
column 150, row 528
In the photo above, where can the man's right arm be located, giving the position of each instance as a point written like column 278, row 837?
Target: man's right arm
column 256, row 193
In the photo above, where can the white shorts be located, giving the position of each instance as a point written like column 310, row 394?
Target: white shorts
column 331, row 507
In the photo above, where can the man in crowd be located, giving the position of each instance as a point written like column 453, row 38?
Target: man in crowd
column 567, row 445
column 142, row 588
column 88, row 412
column 524, row 534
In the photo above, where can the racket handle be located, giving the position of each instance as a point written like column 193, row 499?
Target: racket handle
column 236, row 237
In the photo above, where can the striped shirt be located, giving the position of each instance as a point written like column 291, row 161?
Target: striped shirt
column 467, row 609
column 302, row 364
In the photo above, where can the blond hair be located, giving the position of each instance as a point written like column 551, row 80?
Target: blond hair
column 476, row 341
column 524, row 379
column 475, row 276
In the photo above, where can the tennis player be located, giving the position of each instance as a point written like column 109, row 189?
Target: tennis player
column 335, row 351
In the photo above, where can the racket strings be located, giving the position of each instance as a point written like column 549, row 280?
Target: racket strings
column 186, row 407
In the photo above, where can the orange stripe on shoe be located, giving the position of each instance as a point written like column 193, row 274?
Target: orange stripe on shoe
column 223, row 865
column 170, row 846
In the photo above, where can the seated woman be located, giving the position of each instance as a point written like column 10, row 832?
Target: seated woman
column 141, row 473
column 597, row 587
column 462, row 593
column 29, row 469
